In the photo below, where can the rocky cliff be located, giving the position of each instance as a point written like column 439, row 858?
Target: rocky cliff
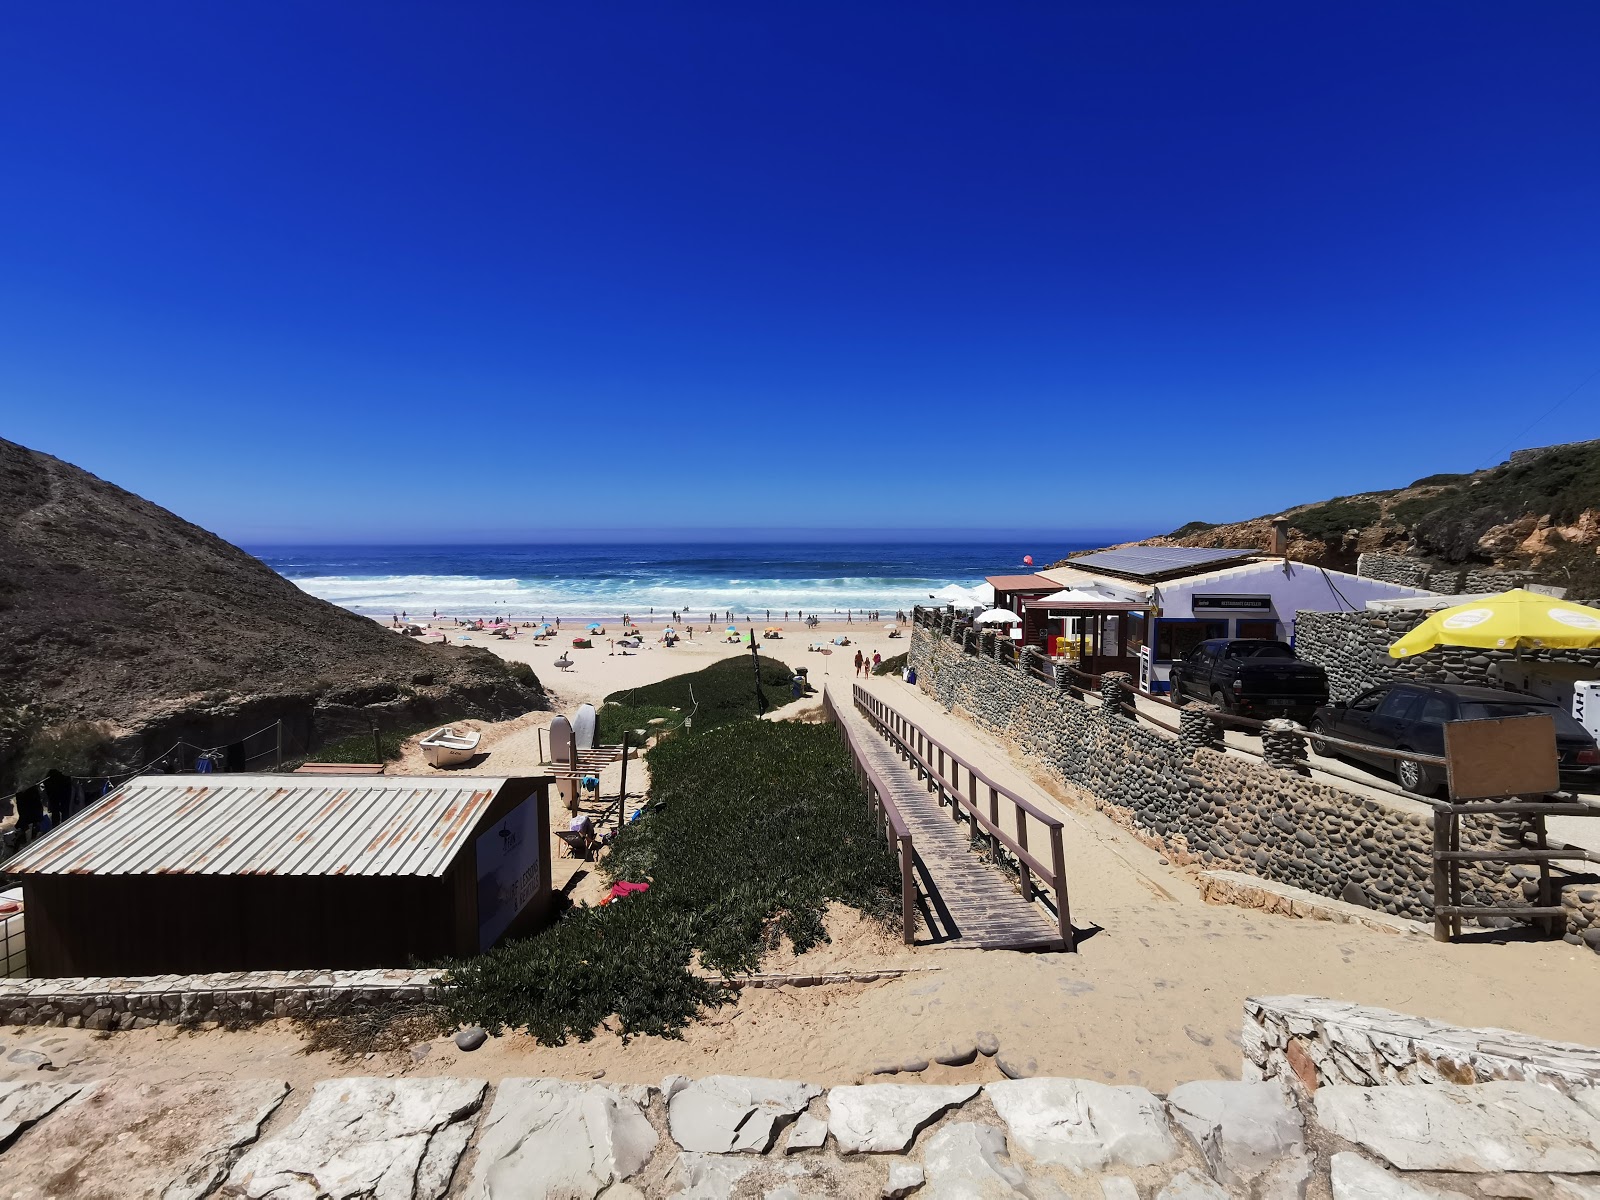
column 118, row 614
column 1538, row 512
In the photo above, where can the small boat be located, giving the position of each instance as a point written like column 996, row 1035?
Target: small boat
column 449, row 746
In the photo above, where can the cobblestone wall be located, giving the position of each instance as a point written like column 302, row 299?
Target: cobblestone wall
column 241, row 996
column 1353, row 647
column 1394, row 568
column 1450, row 581
column 1224, row 811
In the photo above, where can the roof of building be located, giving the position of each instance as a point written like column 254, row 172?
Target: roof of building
column 267, row 825
column 1020, row 583
column 1159, row 562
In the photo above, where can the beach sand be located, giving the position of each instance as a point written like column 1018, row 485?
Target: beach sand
column 1153, row 997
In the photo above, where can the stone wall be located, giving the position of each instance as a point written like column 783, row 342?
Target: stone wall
column 1216, row 810
column 239, row 997
column 1353, row 647
column 1450, row 581
column 1394, row 568
column 1309, row 1042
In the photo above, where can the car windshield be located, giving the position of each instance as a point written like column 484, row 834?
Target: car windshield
column 1260, row 650
column 1488, row 710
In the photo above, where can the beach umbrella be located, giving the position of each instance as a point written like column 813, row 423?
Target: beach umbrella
column 1514, row 620
column 998, row 616
column 731, row 629
column 891, row 629
column 593, row 625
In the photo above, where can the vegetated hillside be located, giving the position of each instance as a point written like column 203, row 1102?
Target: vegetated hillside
column 115, row 611
column 1540, row 514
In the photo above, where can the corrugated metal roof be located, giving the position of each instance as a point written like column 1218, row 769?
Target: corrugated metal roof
column 1150, row 562
column 1018, row 583
column 267, row 825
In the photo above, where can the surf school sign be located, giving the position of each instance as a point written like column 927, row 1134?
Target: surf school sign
column 509, row 873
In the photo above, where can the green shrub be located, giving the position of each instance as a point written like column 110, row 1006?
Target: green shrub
column 723, row 692
column 1331, row 520
column 891, row 666
column 359, row 747
column 523, row 674
column 752, row 829
column 1193, row 527
column 1440, row 480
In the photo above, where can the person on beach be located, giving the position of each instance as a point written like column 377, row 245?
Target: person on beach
column 858, row 662
column 877, row 660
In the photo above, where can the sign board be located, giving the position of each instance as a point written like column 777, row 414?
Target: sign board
column 1508, row 756
column 1231, row 603
column 509, row 870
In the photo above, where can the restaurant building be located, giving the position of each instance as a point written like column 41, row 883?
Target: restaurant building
column 185, row 874
column 1141, row 608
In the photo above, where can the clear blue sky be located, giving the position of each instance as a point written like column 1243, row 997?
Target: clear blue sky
column 1039, row 265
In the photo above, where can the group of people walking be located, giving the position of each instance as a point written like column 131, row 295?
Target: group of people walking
column 865, row 666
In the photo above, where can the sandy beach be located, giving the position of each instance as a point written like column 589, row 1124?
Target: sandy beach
column 1153, row 997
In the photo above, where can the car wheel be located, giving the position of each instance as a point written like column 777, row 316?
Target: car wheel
column 1413, row 776
column 1220, row 699
column 1318, row 746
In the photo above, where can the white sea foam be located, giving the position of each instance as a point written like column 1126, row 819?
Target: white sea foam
column 465, row 595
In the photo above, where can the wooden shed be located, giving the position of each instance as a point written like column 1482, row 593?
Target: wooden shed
column 184, row 874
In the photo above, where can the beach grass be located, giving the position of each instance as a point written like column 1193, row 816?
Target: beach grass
column 892, row 666
column 713, row 696
column 752, row 829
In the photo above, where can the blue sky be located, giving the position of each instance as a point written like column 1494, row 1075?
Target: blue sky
column 400, row 271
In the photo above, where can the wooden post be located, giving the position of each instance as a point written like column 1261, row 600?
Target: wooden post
column 1027, row 875
column 1547, row 896
column 622, row 788
column 542, row 758
column 994, row 819
column 1455, row 873
column 377, row 746
column 908, row 892
column 1058, row 864
column 1441, row 875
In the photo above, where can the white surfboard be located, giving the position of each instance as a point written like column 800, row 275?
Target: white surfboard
column 583, row 727
column 561, row 743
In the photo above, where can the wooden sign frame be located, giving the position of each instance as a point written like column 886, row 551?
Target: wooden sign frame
column 1502, row 757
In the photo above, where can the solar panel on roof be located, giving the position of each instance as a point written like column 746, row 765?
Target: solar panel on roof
column 1146, row 562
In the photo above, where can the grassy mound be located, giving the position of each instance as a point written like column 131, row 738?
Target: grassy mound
column 723, row 692
column 891, row 666
column 751, row 831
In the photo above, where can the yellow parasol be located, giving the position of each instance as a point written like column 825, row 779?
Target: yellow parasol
column 1514, row 620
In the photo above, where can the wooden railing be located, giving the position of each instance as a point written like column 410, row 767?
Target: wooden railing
column 943, row 770
column 886, row 819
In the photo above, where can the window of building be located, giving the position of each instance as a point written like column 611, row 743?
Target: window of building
column 1174, row 639
column 1259, row 629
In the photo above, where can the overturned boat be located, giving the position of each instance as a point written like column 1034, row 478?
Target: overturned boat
column 449, row 746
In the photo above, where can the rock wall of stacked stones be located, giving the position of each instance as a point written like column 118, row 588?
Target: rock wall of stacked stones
column 1212, row 809
column 1353, row 647
column 1419, row 573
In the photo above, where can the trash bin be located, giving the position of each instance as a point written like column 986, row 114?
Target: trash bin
column 797, row 687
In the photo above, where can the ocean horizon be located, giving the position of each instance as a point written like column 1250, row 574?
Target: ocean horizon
column 605, row 580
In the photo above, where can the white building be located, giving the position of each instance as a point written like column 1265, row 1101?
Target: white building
column 1140, row 608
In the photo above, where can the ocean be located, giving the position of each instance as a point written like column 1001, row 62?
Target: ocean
column 607, row 580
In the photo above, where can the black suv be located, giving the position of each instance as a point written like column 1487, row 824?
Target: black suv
column 1253, row 677
column 1412, row 716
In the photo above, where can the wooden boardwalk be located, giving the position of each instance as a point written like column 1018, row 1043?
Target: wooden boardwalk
column 964, row 900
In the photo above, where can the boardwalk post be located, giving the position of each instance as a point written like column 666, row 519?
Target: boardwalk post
column 994, row 818
column 1022, row 840
column 908, row 892
column 1058, row 864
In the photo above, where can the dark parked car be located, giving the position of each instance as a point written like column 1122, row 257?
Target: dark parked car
column 1252, row 677
column 1412, row 716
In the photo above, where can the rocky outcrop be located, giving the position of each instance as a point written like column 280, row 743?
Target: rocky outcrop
column 427, row 1137
column 1307, row 1042
column 124, row 1138
column 388, row 1139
